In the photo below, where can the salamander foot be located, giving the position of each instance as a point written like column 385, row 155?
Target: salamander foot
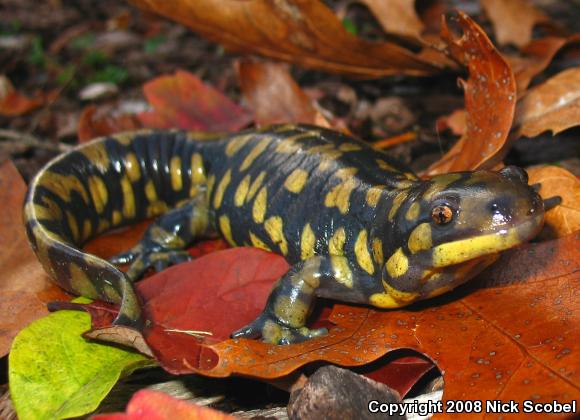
column 274, row 331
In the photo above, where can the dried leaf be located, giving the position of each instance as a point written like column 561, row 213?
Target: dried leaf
column 554, row 105
column 490, row 97
column 535, row 57
column 184, row 101
column 94, row 124
column 155, row 405
column 24, row 287
column 456, row 122
column 275, row 97
column 513, row 20
column 564, row 218
column 302, row 32
column 397, row 16
column 13, row 104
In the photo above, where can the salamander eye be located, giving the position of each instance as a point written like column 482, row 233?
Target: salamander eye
column 442, row 214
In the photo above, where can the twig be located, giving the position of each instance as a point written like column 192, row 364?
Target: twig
column 393, row 141
column 24, row 139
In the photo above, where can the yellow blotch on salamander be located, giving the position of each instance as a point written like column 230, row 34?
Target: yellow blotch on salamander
column 242, row 191
column 320, row 149
column 255, row 185
column 374, row 195
column 128, row 198
column 254, row 153
column 341, row 270
column 275, row 229
column 386, row 166
column 80, row 282
column 441, row 182
column 397, row 264
column 235, row 144
column 307, row 242
column 392, row 298
column 226, row 229
column 361, row 251
column 349, row 147
column 156, row 208
column 397, row 201
column 87, row 229
column 258, row 243
column 98, row 155
column 336, row 243
column 73, row 226
column 210, row 185
column 260, row 206
column 117, row 218
column 290, row 144
column 132, row 167
column 197, row 170
column 63, row 185
column 378, row 251
column 296, row 180
column 328, row 158
column 413, row 211
column 345, row 173
column 339, row 196
column 150, row 191
column 49, row 210
column 221, row 189
column 99, row 192
column 420, row 239
column 175, row 171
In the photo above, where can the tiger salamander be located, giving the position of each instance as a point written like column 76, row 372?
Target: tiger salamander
column 355, row 225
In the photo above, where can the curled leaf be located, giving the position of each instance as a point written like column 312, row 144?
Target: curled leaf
column 513, row 20
column 302, row 32
column 490, row 99
column 563, row 219
column 554, row 105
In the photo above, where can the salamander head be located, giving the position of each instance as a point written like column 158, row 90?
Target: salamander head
column 456, row 225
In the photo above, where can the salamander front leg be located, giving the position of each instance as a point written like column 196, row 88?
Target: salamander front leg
column 164, row 242
column 283, row 319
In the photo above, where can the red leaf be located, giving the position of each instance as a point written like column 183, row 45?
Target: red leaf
column 93, row 123
column 155, row 405
column 193, row 296
column 12, row 103
column 400, row 374
column 274, row 96
column 184, row 101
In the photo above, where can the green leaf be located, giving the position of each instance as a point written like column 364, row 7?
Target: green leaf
column 349, row 25
column 55, row 373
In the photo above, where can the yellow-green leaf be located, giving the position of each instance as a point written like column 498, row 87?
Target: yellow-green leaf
column 55, row 373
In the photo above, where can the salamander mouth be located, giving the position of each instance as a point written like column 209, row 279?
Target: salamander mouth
column 462, row 250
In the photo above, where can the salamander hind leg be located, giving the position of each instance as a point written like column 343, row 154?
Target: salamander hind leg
column 284, row 318
column 164, row 242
